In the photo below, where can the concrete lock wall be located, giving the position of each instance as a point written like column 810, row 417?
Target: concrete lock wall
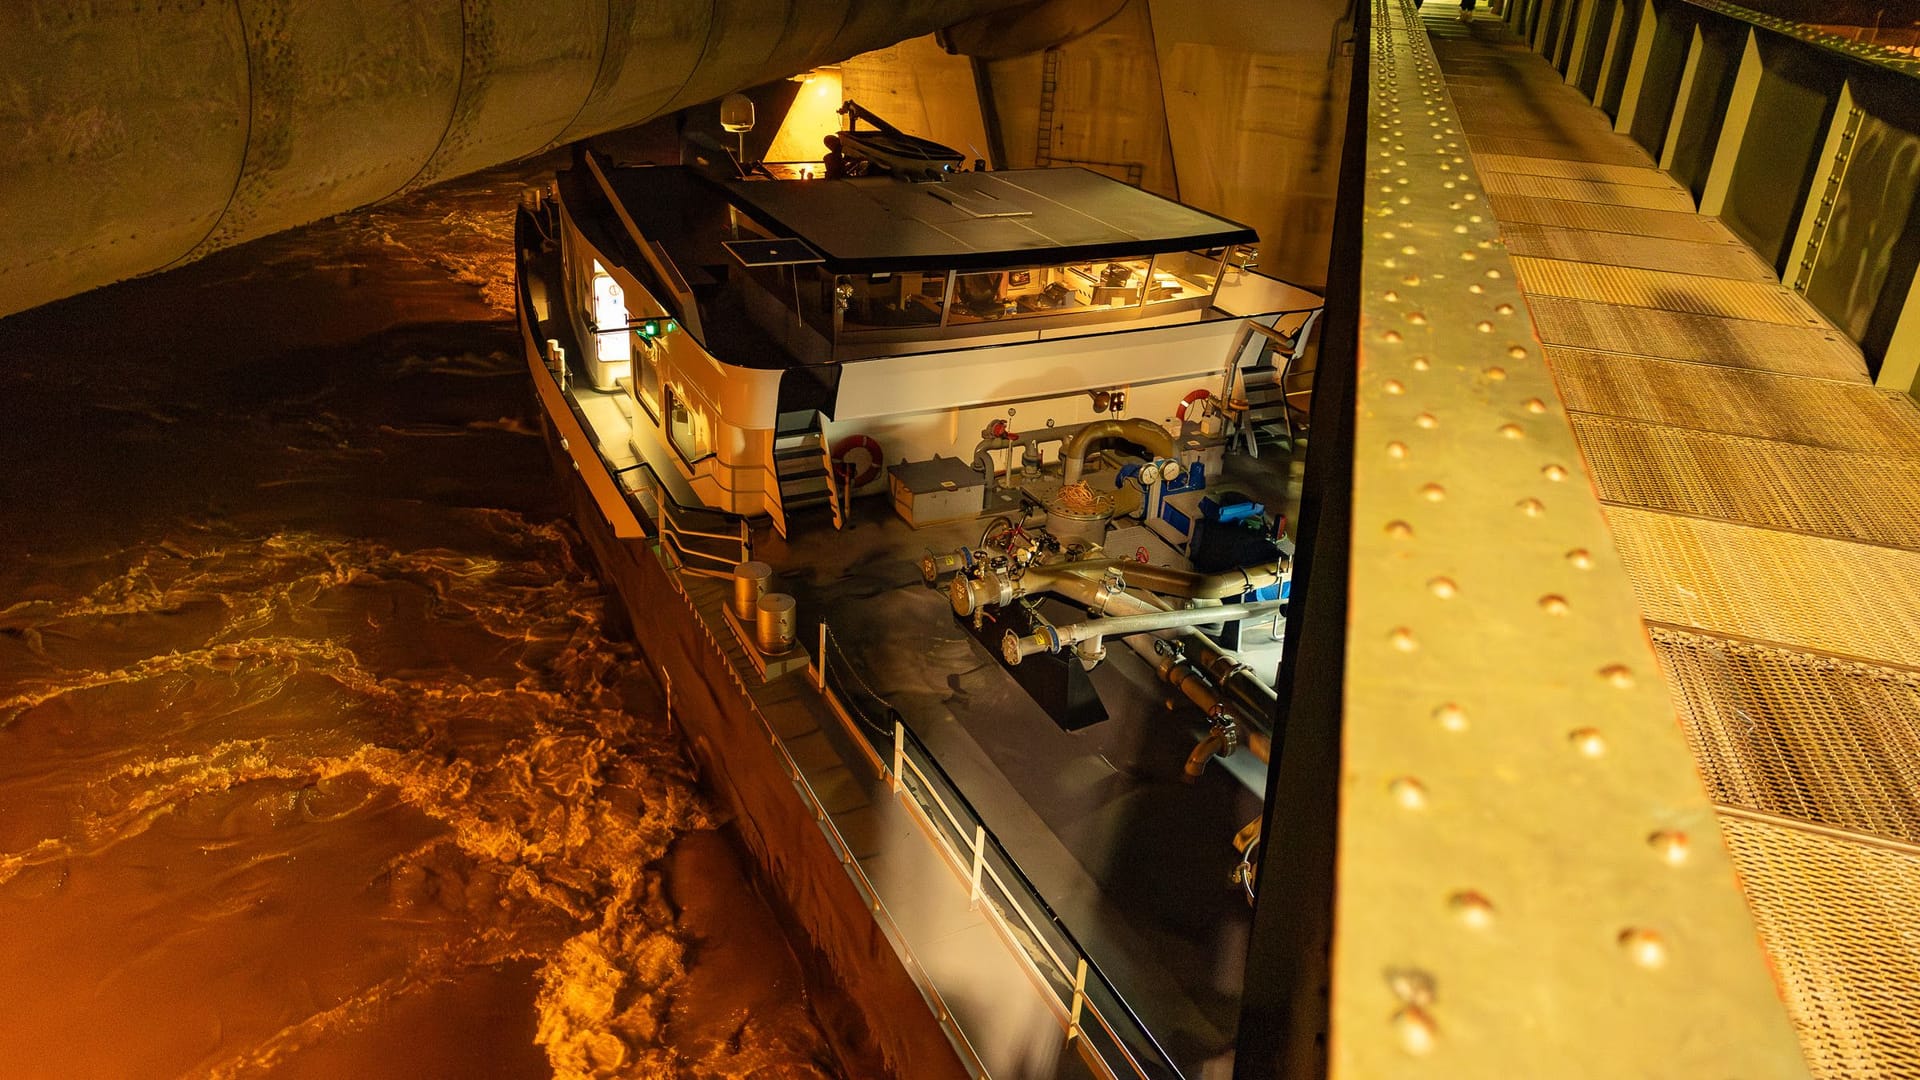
column 1234, row 106
column 144, row 135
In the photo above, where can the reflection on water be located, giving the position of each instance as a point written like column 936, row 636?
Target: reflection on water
column 315, row 757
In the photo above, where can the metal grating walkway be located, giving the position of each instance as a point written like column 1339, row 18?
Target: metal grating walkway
column 1596, row 152
column 1814, row 738
column 1692, row 293
column 1766, row 501
column 1790, row 408
column 1838, row 916
column 1641, row 175
column 1603, row 217
column 1814, row 351
column 1725, row 259
column 1762, row 482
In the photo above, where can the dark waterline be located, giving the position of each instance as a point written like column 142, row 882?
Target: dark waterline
column 315, row 756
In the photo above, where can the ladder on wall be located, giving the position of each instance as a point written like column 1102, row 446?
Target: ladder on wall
column 1049, row 84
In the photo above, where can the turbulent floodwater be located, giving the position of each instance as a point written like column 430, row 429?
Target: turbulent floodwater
column 316, row 758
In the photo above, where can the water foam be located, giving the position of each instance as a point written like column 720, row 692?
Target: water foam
column 550, row 790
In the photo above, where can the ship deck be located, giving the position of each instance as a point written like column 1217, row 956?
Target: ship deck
column 1135, row 861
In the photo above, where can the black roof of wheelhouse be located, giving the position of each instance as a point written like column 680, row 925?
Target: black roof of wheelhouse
column 979, row 220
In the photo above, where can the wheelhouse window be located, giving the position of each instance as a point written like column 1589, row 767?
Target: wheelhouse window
column 890, row 301
column 1047, row 290
column 916, row 300
column 1184, row 275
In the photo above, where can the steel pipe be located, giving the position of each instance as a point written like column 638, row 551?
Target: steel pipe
column 1017, row 647
column 142, row 136
column 1235, row 679
column 1073, row 580
column 983, row 450
column 998, row 588
column 1230, row 731
column 1208, row 674
column 1192, row 585
column 1225, row 677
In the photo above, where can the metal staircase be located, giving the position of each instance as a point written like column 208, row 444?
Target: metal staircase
column 800, row 465
column 1267, row 386
column 1265, row 393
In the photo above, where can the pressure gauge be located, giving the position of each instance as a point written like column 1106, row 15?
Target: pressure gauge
column 1170, row 469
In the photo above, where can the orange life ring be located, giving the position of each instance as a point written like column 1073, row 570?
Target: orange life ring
column 1192, row 396
column 858, row 442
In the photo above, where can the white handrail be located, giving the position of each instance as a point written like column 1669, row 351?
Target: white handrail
column 981, row 873
column 993, row 875
column 1078, row 1001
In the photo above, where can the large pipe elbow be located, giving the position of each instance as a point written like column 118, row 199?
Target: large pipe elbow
column 1257, row 744
column 1143, row 433
column 148, row 135
column 1202, row 753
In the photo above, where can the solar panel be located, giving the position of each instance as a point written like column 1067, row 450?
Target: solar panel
column 785, row 251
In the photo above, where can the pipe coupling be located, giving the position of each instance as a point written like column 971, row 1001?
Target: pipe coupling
column 1016, row 647
column 970, row 594
column 935, row 565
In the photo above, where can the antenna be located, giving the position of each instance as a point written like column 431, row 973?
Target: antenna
column 736, row 115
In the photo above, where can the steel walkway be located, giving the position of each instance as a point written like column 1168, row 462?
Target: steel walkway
column 1765, row 498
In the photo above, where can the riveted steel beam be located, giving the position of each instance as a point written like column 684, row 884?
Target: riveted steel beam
column 1527, row 878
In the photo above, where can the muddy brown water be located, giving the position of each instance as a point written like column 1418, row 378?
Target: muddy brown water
column 320, row 755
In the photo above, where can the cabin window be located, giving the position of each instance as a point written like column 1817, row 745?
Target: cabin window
column 688, row 429
column 646, row 372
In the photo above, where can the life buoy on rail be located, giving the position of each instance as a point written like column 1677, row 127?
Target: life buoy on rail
column 1192, row 396
column 868, row 471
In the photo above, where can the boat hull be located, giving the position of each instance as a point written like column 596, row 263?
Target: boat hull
column 871, row 1007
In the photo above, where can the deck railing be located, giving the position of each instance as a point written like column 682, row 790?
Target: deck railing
column 703, row 542
column 1094, row 1015
column 738, row 674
